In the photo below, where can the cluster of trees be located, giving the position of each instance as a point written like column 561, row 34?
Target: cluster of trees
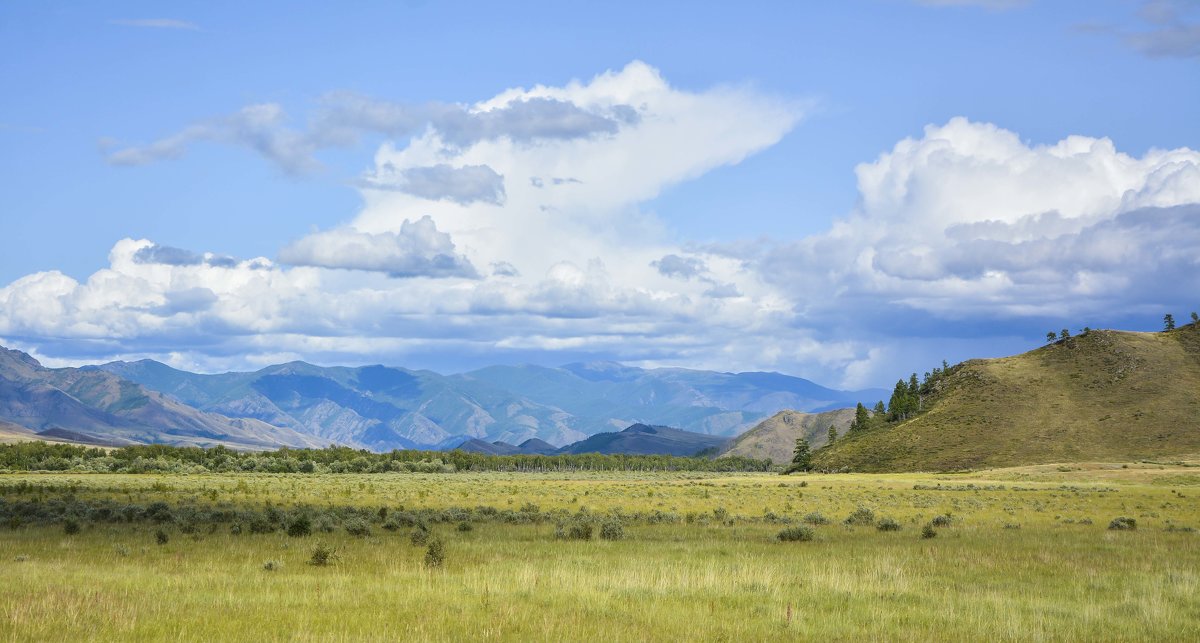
column 40, row 456
column 1168, row 324
column 908, row 399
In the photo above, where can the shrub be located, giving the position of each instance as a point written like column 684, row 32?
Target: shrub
column 1123, row 523
column 796, row 534
column 612, row 530
column 465, row 526
column 161, row 537
column 260, row 525
column 944, row 520
column 815, row 518
column 358, row 527
column 928, row 531
column 887, row 524
column 580, row 530
column 860, row 517
column 71, row 527
column 1011, row 525
column 435, row 554
column 300, row 526
column 272, row 565
column 322, row 555
column 420, row 536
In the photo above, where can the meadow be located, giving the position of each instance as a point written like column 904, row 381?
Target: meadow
column 1007, row 554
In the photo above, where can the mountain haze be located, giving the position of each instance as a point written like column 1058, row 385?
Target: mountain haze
column 381, row 408
column 95, row 407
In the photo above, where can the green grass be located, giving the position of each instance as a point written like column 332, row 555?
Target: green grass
column 1106, row 395
column 712, row 578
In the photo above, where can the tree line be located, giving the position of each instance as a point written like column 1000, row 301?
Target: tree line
column 157, row 458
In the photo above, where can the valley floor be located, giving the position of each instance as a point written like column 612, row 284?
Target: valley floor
column 1024, row 554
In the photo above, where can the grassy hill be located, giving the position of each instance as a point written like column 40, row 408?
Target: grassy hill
column 775, row 437
column 1105, row 395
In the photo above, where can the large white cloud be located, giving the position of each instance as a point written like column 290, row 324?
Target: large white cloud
column 967, row 223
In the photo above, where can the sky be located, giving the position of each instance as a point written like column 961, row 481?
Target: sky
column 846, row 192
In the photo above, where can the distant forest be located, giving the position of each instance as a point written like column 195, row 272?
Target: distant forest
column 41, row 456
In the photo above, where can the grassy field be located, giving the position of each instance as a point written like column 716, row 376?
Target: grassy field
column 1026, row 554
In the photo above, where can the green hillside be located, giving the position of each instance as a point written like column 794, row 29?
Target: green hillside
column 1104, row 395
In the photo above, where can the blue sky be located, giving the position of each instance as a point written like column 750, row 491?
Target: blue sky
column 748, row 242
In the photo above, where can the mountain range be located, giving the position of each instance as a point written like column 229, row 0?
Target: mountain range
column 382, row 408
column 92, row 406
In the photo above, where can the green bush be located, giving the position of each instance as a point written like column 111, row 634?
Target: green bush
column 612, row 530
column 887, row 524
column 928, row 531
column 419, row 536
column 161, row 537
column 71, row 527
column 796, row 534
column 815, row 518
column 1123, row 523
column 435, row 554
column 465, row 526
column 272, row 565
column 358, row 527
column 860, row 517
column 322, row 555
column 944, row 520
column 300, row 526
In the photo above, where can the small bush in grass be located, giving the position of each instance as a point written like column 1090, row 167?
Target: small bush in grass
column 612, row 530
column 300, row 526
column 20, row 558
column 1123, row 523
column 928, row 531
column 235, row 529
column 860, row 517
column 576, row 530
column 322, row 555
column 944, row 520
column 358, row 527
column 71, row 527
column 465, row 526
column 435, row 553
column 272, row 565
column 815, row 518
column 122, row 550
column 161, row 537
column 420, row 536
column 887, row 524
column 1011, row 525
column 796, row 534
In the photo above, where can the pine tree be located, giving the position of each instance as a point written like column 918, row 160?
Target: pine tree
column 1064, row 334
column 1195, row 318
column 832, row 435
column 879, row 410
column 1168, row 322
column 1050, row 337
column 861, row 418
column 802, row 456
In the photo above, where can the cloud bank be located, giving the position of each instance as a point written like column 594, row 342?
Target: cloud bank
column 511, row 229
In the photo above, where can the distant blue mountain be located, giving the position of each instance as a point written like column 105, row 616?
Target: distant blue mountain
column 381, row 408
